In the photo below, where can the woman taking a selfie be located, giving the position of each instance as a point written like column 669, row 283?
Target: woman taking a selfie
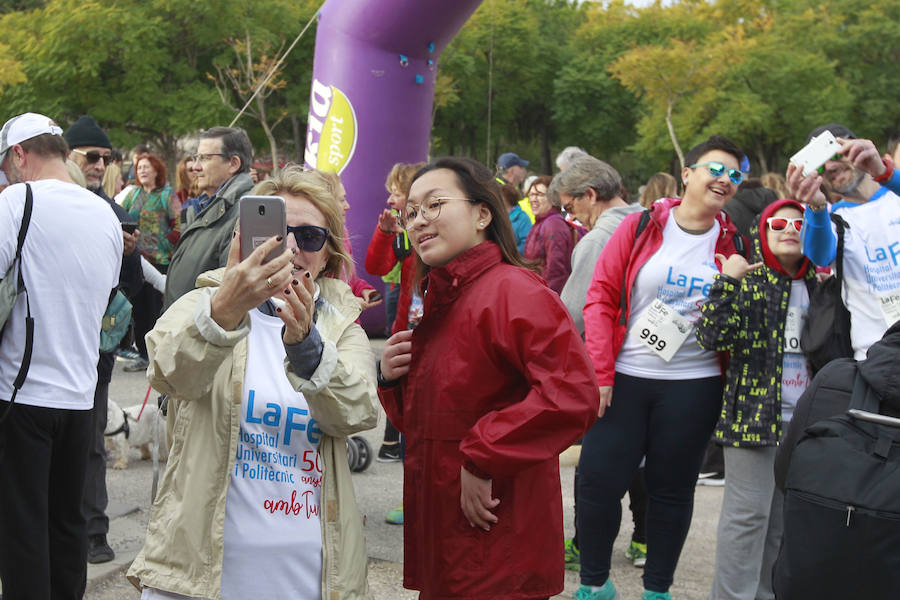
column 269, row 374
column 660, row 392
column 489, row 388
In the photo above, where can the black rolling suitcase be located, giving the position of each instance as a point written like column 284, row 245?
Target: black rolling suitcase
column 842, row 508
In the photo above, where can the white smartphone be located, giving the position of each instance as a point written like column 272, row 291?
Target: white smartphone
column 816, row 153
column 261, row 217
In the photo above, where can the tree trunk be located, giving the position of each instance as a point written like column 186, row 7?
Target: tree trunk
column 678, row 150
column 546, row 164
column 263, row 120
column 761, row 156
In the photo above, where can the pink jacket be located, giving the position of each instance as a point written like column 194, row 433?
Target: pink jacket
column 605, row 318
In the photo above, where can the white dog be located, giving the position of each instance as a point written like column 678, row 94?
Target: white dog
column 124, row 431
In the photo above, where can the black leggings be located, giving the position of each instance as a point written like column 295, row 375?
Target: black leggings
column 669, row 422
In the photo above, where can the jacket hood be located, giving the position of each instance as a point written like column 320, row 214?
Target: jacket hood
column 880, row 367
column 763, row 239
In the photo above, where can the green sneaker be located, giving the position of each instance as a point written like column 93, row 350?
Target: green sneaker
column 648, row 595
column 572, row 556
column 637, row 554
column 395, row 517
column 607, row 592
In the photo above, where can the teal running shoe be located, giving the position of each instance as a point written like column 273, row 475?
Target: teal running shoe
column 607, row 592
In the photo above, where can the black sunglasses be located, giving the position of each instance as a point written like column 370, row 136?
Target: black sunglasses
column 309, row 238
column 92, row 156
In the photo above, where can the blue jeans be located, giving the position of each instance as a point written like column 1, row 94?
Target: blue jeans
column 668, row 421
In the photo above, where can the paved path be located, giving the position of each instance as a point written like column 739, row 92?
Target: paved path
column 378, row 490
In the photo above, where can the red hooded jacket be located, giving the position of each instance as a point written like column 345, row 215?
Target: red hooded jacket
column 380, row 259
column 605, row 319
column 499, row 382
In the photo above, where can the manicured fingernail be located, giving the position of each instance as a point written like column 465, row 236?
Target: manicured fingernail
column 307, row 274
column 278, row 309
column 295, row 282
column 279, row 238
column 287, row 291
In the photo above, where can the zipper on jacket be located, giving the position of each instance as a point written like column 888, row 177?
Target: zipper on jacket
column 850, row 510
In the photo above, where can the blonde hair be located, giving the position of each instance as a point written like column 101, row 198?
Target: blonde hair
column 776, row 183
column 112, row 174
column 660, row 185
column 319, row 189
column 401, row 175
column 75, row 172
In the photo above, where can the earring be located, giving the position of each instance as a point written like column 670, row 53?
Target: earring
column 482, row 224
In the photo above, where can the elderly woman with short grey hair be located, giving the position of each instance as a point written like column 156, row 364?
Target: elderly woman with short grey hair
column 591, row 191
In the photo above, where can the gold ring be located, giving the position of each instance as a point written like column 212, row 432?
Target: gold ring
column 269, row 282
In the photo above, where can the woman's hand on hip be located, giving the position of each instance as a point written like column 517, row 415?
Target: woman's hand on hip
column 248, row 283
column 397, row 355
column 299, row 309
column 476, row 501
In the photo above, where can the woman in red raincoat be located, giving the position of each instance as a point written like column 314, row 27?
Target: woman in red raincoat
column 489, row 388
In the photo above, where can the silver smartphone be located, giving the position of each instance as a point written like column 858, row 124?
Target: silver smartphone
column 261, row 217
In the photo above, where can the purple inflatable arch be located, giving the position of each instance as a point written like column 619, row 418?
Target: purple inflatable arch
column 371, row 100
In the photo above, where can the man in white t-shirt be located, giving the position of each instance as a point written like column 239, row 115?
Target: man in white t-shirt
column 70, row 262
column 871, row 261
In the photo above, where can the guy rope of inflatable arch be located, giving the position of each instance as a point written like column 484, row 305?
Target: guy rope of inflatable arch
column 276, row 66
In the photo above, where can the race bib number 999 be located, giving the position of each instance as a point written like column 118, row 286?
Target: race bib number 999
column 662, row 329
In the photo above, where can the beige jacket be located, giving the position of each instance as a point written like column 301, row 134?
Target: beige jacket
column 201, row 366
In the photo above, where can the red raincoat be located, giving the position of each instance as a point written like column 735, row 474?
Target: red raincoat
column 500, row 382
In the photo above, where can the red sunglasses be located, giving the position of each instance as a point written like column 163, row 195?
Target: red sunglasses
column 782, row 223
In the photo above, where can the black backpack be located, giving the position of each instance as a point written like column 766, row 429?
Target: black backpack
column 842, row 507
column 826, row 333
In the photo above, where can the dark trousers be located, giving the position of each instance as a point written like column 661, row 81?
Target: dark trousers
column 669, row 422
column 391, row 296
column 43, row 545
column 637, row 504
column 146, row 308
column 95, row 498
column 391, row 434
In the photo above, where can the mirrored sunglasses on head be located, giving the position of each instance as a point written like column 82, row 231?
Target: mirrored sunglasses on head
column 309, row 238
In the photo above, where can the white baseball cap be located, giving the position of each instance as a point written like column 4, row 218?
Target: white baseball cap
column 24, row 127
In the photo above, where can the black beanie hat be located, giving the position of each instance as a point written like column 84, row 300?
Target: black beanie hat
column 836, row 129
column 86, row 132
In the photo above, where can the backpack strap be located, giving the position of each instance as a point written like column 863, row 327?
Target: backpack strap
column 642, row 225
column 29, row 320
column 840, row 226
column 740, row 244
